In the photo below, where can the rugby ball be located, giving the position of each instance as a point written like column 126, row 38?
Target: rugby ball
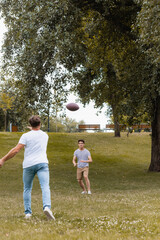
column 72, row 106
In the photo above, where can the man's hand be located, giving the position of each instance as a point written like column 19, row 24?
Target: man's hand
column 87, row 161
column 1, row 163
column 75, row 164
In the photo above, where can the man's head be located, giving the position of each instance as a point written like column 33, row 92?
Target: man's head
column 81, row 143
column 35, row 121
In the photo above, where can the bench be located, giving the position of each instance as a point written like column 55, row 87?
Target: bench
column 85, row 127
column 111, row 126
column 142, row 126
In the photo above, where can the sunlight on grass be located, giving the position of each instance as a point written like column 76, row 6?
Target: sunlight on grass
column 125, row 199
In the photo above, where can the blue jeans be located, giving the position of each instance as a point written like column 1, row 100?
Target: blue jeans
column 42, row 172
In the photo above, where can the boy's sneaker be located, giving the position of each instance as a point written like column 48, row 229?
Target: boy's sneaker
column 28, row 216
column 89, row 192
column 48, row 213
column 84, row 192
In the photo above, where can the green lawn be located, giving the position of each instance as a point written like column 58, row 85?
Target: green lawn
column 125, row 200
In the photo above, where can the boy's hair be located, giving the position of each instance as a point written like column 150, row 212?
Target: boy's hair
column 35, row 121
column 81, row 140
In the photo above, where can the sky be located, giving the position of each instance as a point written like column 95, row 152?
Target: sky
column 88, row 113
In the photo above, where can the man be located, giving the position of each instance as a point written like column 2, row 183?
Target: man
column 84, row 158
column 35, row 162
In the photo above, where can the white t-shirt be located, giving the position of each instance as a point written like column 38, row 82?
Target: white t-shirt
column 35, row 143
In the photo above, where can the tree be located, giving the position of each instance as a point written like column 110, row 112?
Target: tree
column 6, row 103
column 69, row 33
column 55, row 125
column 70, row 125
column 149, row 35
column 148, row 29
column 98, row 77
column 61, row 124
column 106, row 89
column 59, row 35
column 30, row 48
column 1, row 119
column 138, row 66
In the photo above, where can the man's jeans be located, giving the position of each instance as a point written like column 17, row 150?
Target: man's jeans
column 42, row 172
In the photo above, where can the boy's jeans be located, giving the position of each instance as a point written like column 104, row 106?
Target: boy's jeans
column 42, row 172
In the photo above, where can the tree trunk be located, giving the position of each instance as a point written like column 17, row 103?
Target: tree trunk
column 5, row 121
column 155, row 151
column 56, row 118
column 116, row 122
column 116, row 128
column 48, row 123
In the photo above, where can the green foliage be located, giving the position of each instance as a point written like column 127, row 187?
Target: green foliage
column 31, row 53
column 129, row 121
column 136, row 75
column 149, row 29
column 110, row 49
column 6, row 102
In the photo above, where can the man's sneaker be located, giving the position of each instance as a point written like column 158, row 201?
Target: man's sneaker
column 28, row 216
column 48, row 213
column 84, row 192
column 89, row 192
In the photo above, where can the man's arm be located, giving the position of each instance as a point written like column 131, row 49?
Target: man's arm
column 74, row 161
column 11, row 153
column 89, row 160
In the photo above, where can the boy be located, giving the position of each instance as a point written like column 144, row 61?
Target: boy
column 84, row 158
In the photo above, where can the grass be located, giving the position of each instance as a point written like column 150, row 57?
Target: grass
column 125, row 197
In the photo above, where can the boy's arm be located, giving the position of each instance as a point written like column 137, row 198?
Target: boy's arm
column 11, row 153
column 74, row 161
column 89, row 160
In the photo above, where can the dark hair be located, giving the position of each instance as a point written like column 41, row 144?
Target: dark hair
column 35, row 121
column 81, row 140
